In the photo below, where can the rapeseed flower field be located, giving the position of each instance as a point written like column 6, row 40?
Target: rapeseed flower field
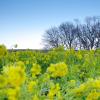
column 54, row 75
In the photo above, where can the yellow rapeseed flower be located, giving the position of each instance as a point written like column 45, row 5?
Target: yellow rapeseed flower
column 15, row 75
column 93, row 95
column 58, row 70
column 80, row 90
column 13, row 93
column 36, row 70
column 32, row 85
column 3, row 81
column 53, row 91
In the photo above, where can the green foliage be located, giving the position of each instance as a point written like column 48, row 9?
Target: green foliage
column 44, row 80
column 3, row 53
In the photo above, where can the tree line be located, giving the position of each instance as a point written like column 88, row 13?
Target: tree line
column 74, row 35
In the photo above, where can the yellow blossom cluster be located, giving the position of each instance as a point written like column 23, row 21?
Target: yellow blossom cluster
column 35, row 70
column 92, row 87
column 58, row 70
column 32, row 85
column 15, row 75
column 54, row 91
column 13, row 93
column 11, row 79
column 93, row 95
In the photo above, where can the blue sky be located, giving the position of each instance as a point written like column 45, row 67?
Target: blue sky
column 25, row 21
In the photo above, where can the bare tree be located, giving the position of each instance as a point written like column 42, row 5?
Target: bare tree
column 97, row 35
column 67, row 34
column 51, row 38
column 88, row 33
column 92, row 32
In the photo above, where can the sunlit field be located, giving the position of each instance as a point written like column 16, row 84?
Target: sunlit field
column 49, row 49
column 57, row 74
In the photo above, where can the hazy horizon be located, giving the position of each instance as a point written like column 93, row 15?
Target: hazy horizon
column 23, row 22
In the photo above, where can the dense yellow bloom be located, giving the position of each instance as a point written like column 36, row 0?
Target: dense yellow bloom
column 18, row 82
column 13, row 93
column 90, row 85
column 96, row 83
column 32, row 85
column 58, row 70
column 3, row 81
column 36, row 70
column 20, row 65
column 80, row 90
column 15, row 75
column 93, row 95
column 93, row 83
column 53, row 91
